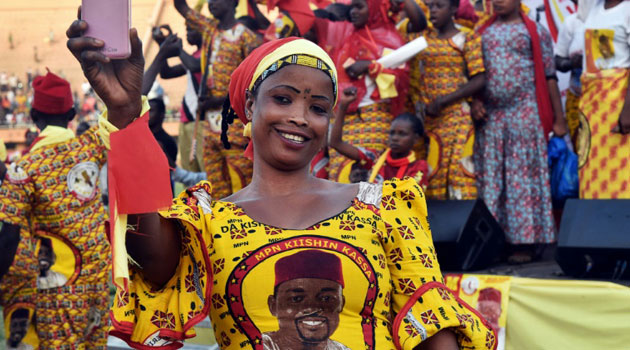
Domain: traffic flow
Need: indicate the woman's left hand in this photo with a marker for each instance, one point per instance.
(560, 127)
(433, 109)
(358, 68)
(623, 125)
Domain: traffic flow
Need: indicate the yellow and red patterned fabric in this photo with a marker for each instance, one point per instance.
(367, 128)
(228, 168)
(393, 291)
(572, 112)
(52, 193)
(444, 67)
(18, 288)
(228, 49)
(603, 155)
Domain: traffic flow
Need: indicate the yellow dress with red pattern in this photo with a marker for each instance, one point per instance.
(367, 128)
(229, 170)
(18, 286)
(52, 193)
(445, 66)
(393, 288)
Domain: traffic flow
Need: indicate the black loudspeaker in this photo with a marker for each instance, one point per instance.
(594, 239)
(465, 234)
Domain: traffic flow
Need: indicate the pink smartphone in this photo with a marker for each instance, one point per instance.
(110, 21)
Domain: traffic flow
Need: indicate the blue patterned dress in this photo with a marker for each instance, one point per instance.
(510, 147)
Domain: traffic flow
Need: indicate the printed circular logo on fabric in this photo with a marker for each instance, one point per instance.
(16, 174)
(82, 180)
(583, 140)
(470, 285)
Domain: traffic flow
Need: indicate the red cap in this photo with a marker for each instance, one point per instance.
(52, 94)
(490, 294)
(309, 264)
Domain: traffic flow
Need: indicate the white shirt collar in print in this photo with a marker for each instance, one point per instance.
(82, 180)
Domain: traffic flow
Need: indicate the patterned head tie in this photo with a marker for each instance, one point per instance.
(262, 63)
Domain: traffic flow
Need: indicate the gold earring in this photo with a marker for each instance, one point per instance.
(247, 130)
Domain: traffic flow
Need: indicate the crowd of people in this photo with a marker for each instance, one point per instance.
(308, 144)
(16, 96)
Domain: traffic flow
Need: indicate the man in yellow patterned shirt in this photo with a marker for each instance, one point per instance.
(52, 198)
(226, 43)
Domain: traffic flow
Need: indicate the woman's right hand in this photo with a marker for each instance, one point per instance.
(158, 35)
(117, 82)
(358, 68)
(477, 110)
(171, 46)
(348, 96)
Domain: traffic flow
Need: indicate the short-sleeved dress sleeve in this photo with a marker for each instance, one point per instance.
(423, 305)
(200, 22)
(565, 36)
(162, 319)
(547, 51)
(473, 54)
(16, 194)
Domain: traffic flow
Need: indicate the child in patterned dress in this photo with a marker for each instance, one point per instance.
(397, 161)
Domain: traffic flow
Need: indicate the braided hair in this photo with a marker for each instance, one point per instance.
(416, 124)
(227, 118)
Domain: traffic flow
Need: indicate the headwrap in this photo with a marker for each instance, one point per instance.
(297, 12)
(52, 94)
(266, 60)
(545, 110)
(309, 264)
(349, 44)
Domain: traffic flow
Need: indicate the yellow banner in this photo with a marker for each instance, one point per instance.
(488, 294)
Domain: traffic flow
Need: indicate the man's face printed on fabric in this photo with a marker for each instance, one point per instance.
(46, 256)
(17, 327)
(307, 308)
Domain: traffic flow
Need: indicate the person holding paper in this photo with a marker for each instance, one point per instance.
(381, 91)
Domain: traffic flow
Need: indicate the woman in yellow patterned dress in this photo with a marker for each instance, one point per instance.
(452, 70)
(290, 261)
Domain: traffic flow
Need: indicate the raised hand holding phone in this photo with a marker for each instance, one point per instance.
(117, 82)
(109, 21)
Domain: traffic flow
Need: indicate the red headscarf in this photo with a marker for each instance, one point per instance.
(368, 43)
(299, 11)
(545, 110)
(266, 56)
(244, 73)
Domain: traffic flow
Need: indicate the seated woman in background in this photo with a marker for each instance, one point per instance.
(398, 160)
(290, 261)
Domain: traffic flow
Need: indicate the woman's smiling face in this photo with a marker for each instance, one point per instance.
(290, 112)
